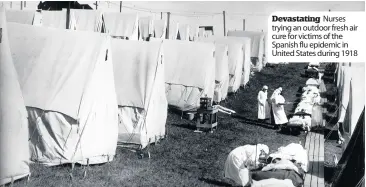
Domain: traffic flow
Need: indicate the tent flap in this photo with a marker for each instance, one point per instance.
(14, 162)
(120, 24)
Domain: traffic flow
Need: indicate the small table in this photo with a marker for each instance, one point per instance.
(206, 119)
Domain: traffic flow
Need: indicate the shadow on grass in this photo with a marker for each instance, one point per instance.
(215, 182)
(302, 75)
(331, 133)
(329, 172)
(186, 126)
(252, 121)
(287, 131)
(331, 119)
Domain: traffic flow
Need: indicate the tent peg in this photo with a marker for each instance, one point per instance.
(28, 178)
(12, 181)
(86, 168)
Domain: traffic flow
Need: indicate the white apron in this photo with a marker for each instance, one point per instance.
(263, 107)
(235, 165)
(279, 110)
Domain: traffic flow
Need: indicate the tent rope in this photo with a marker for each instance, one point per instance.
(37, 128)
(37, 120)
(129, 139)
(333, 129)
(360, 182)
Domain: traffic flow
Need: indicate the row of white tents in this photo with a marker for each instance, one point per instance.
(83, 92)
(131, 26)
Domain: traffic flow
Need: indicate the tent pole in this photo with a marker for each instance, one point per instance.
(223, 13)
(68, 17)
(168, 25)
(243, 24)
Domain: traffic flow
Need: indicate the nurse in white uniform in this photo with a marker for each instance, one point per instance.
(279, 110)
(272, 102)
(263, 107)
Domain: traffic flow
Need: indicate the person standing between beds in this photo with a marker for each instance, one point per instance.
(272, 100)
(279, 110)
(263, 107)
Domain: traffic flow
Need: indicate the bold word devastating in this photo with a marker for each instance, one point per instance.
(328, 53)
(296, 19)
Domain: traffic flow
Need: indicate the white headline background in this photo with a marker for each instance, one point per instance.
(355, 39)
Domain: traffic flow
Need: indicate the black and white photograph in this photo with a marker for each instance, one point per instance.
(172, 93)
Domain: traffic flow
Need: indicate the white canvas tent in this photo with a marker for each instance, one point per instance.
(189, 72)
(246, 42)
(14, 162)
(257, 39)
(221, 70)
(54, 19)
(193, 32)
(37, 20)
(356, 100)
(173, 30)
(340, 69)
(184, 31)
(159, 29)
(145, 27)
(20, 16)
(68, 88)
(121, 24)
(344, 91)
(235, 60)
(87, 20)
(140, 87)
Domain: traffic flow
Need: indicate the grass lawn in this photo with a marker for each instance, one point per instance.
(186, 158)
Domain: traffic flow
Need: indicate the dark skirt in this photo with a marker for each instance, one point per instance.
(272, 116)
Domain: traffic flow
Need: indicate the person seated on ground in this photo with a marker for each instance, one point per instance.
(243, 159)
(279, 111)
(263, 106)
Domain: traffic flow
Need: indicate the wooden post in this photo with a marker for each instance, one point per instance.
(223, 13)
(25, 4)
(68, 17)
(21, 5)
(161, 15)
(120, 6)
(96, 5)
(243, 24)
(168, 25)
(11, 4)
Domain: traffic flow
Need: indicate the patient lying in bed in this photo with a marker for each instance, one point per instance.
(303, 121)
